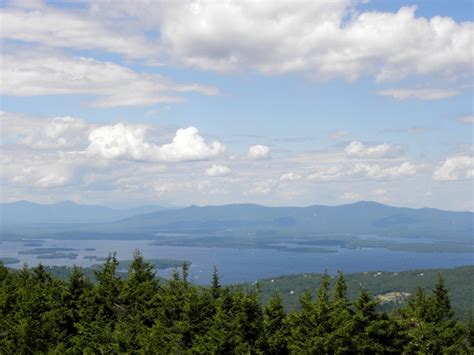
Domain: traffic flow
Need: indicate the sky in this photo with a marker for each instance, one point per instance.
(133, 102)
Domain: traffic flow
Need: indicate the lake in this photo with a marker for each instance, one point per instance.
(242, 265)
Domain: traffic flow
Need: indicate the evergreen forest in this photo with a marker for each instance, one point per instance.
(141, 314)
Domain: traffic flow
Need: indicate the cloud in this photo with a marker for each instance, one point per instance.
(27, 4)
(455, 168)
(350, 196)
(332, 173)
(290, 177)
(379, 192)
(168, 187)
(359, 150)
(68, 29)
(426, 94)
(209, 188)
(128, 142)
(52, 133)
(258, 151)
(339, 134)
(409, 130)
(33, 170)
(260, 188)
(362, 171)
(35, 74)
(52, 179)
(120, 141)
(189, 145)
(468, 119)
(378, 172)
(322, 39)
(217, 170)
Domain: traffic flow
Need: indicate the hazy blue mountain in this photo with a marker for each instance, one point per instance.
(24, 212)
(357, 218)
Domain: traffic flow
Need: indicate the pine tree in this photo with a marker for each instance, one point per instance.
(442, 305)
(41, 314)
(3, 271)
(323, 323)
(322, 299)
(140, 271)
(470, 330)
(40, 275)
(140, 287)
(340, 339)
(301, 323)
(76, 290)
(275, 332)
(107, 291)
(430, 328)
(340, 290)
(137, 297)
(225, 333)
(215, 284)
(185, 273)
(418, 308)
(374, 332)
(309, 328)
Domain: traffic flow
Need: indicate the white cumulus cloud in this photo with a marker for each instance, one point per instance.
(455, 168)
(53, 179)
(379, 172)
(258, 151)
(359, 150)
(29, 169)
(129, 142)
(321, 38)
(52, 133)
(217, 170)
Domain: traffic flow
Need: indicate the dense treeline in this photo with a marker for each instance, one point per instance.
(40, 313)
(459, 281)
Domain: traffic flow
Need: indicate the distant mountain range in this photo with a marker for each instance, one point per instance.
(24, 212)
(358, 218)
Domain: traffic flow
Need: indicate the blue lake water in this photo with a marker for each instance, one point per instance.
(243, 265)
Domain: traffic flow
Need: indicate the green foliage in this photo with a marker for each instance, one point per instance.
(429, 324)
(274, 339)
(40, 313)
(458, 280)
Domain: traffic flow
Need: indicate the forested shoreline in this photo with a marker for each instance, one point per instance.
(40, 313)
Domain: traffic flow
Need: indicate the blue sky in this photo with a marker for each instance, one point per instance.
(279, 103)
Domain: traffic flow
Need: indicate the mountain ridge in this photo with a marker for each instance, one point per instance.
(361, 218)
(65, 212)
